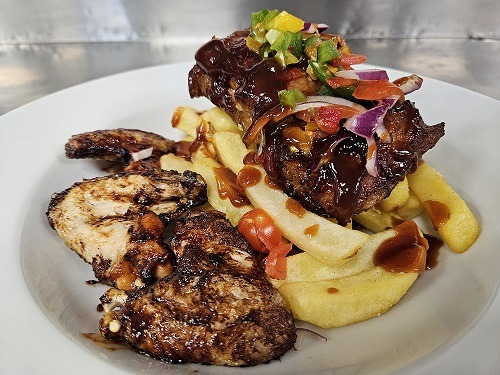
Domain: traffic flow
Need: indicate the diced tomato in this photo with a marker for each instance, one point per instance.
(294, 73)
(260, 230)
(264, 236)
(348, 59)
(276, 264)
(328, 117)
(336, 82)
(376, 90)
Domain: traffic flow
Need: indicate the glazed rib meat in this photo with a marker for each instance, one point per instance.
(119, 145)
(329, 178)
(217, 307)
(336, 183)
(116, 222)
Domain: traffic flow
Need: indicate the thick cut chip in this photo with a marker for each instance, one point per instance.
(348, 300)
(448, 212)
(331, 243)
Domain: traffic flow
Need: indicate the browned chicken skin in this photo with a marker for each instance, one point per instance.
(116, 222)
(217, 307)
(119, 145)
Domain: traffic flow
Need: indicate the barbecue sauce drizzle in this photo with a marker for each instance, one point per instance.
(257, 80)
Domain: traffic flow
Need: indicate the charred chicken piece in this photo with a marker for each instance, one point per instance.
(217, 307)
(119, 145)
(116, 223)
(329, 178)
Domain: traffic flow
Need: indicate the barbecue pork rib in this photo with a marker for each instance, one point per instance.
(332, 182)
(216, 307)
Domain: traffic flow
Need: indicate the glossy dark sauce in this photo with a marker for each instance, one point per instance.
(404, 252)
(438, 213)
(311, 231)
(295, 207)
(435, 245)
(248, 176)
(258, 81)
(228, 188)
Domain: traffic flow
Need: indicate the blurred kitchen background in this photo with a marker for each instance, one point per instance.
(48, 45)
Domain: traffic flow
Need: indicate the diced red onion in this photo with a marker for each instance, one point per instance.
(304, 333)
(142, 154)
(364, 74)
(314, 27)
(410, 83)
(322, 101)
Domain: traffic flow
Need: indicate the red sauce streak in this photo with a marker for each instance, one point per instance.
(228, 188)
(295, 207)
(404, 252)
(312, 230)
(438, 213)
(248, 176)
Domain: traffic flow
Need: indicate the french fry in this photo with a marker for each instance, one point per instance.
(448, 212)
(347, 300)
(411, 209)
(204, 165)
(170, 162)
(376, 220)
(304, 267)
(187, 120)
(399, 197)
(331, 244)
(220, 121)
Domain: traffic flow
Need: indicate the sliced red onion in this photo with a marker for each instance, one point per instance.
(303, 334)
(371, 157)
(364, 74)
(315, 27)
(409, 84)
(365, 124)
(142, 154)
(322, 101)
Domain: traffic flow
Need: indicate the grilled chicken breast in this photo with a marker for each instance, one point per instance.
(119, 145)
(217, 307)
(116, 223)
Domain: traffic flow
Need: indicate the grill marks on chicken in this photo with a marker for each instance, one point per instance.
(116, 223)
(119, 145)
(216, 307)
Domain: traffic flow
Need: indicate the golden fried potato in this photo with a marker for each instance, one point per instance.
(170, 162)
(220, 121)
(399, 197)
(204, 166)
(187, 120)
(331, 243)
(304, 267)
(448, 212)
(347, 300)
(377, 220)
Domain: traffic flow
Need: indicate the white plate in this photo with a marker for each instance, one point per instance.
(448, 322)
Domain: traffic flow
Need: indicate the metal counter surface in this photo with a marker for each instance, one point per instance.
(46, 46)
